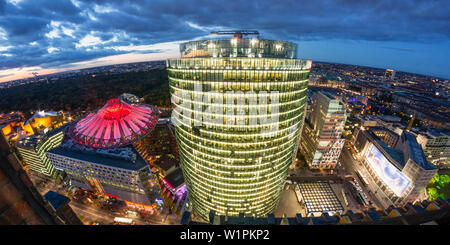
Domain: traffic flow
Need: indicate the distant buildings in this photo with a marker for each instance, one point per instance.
(318, 198)
(110, 69)
(43, 120)
(99, 155)
(322, 138)
(33, 151)
(436, 146)
(390, 74)
(396, 174)
(10, 122)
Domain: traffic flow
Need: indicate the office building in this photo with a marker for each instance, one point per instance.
(322, 136)
(33, 148)
(395, 175)
(436, 146)
(98, 153)
(239, 109)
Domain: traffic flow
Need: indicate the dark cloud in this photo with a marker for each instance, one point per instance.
(61, 26)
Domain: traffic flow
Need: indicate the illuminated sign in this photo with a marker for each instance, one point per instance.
(159, 201)
(388, 173)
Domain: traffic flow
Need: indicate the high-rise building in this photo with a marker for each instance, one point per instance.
(20, 201)
(239, 110)
(389, 74)
(322, 138)
(33, 148)
(98, 153)
(436, 146)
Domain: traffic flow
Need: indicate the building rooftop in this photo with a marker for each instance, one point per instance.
(115, 159)
(438, 132)
(415, 151)
(319, 197)
(175, 178)
(55, 199)
(389, 118)
(43, 114)
(165, 162)
(116, 124)
(32, 141)
(328, 94)
(397, 155)
(387, 151)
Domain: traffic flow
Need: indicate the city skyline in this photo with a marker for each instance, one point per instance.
(409, 36)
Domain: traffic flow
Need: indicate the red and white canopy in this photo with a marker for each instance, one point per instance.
(115, 124)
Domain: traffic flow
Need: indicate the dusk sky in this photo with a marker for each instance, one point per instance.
(47, 36)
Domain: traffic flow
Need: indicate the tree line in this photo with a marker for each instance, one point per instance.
(86, 92)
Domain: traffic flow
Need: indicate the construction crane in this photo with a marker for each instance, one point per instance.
(410, 124)
(237, 34)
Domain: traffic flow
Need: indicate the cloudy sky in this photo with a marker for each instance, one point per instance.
(55, 35)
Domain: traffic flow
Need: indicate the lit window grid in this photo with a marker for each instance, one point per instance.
(239, 47)
(239, 64)
(319, 197)
(261, 147)
(205, 169)
(36, 158)
(120, 178)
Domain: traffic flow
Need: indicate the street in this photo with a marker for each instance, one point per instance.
(352, 165)
(93, 214)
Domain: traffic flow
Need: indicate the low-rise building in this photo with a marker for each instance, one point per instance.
(42, 120)
(119, 172)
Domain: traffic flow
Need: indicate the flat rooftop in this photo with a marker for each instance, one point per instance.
(175, 178)
(416, 152)
(319, 197)
(55, 199)
(101, 159)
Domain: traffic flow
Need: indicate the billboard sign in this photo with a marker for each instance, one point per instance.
(388, 173)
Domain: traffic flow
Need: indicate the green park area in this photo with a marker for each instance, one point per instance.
(439, 186)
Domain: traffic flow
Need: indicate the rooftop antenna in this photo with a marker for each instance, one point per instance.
(236, 33)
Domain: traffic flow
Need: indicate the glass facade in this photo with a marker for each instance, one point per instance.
(236, 162)
(239, 47)
(322, 139)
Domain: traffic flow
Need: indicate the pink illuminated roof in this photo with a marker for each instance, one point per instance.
(115, 124)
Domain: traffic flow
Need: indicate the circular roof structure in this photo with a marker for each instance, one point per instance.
(115, 124)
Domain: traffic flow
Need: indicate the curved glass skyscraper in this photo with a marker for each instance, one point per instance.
(239, 109)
